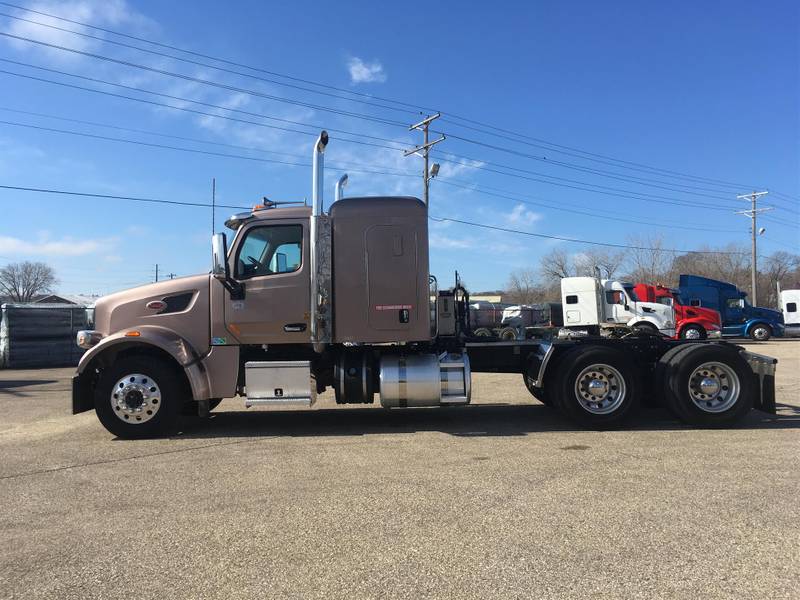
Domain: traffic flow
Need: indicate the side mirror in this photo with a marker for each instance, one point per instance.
(219, 268)
(219, 252)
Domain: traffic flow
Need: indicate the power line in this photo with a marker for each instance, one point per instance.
(332, 110)
(587, 187)
(217, 59)
(507, 230)
(208, 82)
(579, 241)
(205, 64)
(189, 100)
(340, 165)
(492, 129)
(192, 150)
(594, 215)
(114, 197)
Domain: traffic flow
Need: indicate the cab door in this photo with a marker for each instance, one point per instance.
(270, 260)
(619, 307)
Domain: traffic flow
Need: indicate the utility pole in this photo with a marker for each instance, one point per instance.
(754, 233)
(425, 149)
(156, 272)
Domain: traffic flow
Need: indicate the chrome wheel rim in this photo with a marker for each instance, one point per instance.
(692, 334)
(714, 387)
(135, 398)
(760, 333)
(600, 389)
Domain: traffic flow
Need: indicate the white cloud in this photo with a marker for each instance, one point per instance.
(365, 72)
(520, 215)
(51, 248)
(96, 12)
(436, 240)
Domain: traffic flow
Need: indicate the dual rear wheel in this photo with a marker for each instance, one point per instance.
(706, 385)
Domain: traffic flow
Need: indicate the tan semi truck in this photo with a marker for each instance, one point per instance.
(305, 300)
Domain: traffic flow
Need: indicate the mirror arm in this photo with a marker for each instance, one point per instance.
(235, 288)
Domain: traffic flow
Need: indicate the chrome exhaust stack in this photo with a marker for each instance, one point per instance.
(321, 313)
(340, 185)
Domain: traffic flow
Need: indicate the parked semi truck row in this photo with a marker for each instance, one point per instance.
(304, 300)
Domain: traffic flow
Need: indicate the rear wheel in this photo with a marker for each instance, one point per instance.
(597, 387)
(693, 332)
(709, 386)
(139, 397)
(761, 332)
(482, 332)
(508, 334)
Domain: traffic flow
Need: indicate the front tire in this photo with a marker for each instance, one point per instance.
(139, 397)
(761, 332)
(598, 387)
(693, 332)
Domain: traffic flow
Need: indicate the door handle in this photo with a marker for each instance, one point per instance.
(294, 327)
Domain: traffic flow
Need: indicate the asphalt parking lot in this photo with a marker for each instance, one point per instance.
(500, 499)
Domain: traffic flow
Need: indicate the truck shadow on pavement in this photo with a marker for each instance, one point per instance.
(485, 420)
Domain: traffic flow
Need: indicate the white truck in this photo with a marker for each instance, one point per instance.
(595, 304)
(790, 300)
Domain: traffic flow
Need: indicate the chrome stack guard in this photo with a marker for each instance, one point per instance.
(763, 368)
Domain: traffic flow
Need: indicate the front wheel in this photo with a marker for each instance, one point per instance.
(693, 332)
(139, 397)
(761, 332)
(598, 387)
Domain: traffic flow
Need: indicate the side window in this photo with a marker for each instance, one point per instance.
(791, 307)
(572, 299)
(733, 303)
(614, 297)
(270, 250)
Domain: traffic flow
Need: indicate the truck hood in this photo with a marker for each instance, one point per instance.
(758, 312)
(178, 304)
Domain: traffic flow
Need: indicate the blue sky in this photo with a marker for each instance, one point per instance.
(708, 89)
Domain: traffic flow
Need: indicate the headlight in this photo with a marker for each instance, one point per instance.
(669, 325)
(87, 338)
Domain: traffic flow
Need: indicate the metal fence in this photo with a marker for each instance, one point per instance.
(41, 335)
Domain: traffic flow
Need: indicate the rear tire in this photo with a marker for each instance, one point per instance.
(709, 386)
(597, 387)
(508, 334)
(761, 332)
(482, 332)
(693, 332)
(139, 397)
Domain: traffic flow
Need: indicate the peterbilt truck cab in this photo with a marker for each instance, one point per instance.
(304, 300)
(739, 317)
(691, 322)
(589, 302)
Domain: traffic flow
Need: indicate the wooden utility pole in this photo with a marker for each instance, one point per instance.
(753, 197)
(425, 150)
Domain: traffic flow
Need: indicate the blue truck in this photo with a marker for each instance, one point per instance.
(739, 317)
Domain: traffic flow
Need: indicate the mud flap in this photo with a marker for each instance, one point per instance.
(763, 368)
(82, 399)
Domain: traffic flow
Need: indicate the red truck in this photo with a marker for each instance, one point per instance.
(691, 322)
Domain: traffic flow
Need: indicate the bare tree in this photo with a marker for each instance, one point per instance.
(608, 263)
(649, 262)
(556, 265)
(23, 281)
(522, 287)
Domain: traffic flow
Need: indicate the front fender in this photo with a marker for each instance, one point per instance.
(160, 337)
(150, 336)
(777, 328)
